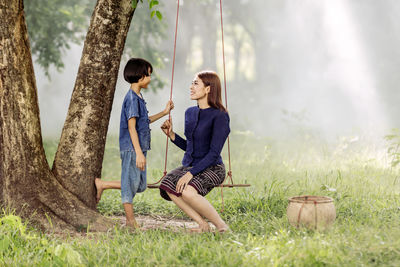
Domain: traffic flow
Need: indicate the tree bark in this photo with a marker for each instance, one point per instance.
(80, 152)
(27, 184)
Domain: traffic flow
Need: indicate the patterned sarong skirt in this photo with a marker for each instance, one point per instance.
(203, 182)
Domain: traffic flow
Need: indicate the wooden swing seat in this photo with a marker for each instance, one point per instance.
(228, 182)
(234, 185)
(153, 186)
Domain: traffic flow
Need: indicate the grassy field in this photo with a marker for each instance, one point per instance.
(353, 172)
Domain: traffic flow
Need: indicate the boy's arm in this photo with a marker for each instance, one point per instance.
(140, 158)
(157, 116)
(168, 108)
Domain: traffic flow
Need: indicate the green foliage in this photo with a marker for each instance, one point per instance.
(144, 39)
(22, 246)
(394, 146)
(135, 2)
(152, 3)
(67, 254)
(52, 26)
(158, 14)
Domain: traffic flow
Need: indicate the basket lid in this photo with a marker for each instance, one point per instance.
(311, 199)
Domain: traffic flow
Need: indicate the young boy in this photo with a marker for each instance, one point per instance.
(134, 137)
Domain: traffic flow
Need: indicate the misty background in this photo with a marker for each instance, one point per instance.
(324, 67)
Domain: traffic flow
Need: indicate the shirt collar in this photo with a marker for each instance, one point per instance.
(136, 95)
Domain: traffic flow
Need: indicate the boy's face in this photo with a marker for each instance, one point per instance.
(144, 81)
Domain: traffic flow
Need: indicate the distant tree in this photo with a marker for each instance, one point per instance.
(62, 198)
(144, 40)
(53, 25)
(257, 30)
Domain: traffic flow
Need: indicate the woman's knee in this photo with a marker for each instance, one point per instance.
(189, 193)
(171, 196)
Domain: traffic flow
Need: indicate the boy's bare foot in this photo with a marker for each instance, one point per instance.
(133, 224)
(99, 189)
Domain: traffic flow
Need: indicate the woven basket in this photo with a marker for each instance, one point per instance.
(313, 212)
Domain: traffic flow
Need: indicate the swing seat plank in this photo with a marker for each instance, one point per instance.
(234, 185)
(153, 186)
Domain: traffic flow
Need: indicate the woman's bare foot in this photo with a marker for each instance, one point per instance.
(99, 189)
(198, 230)
(201, 229)
(223, 229)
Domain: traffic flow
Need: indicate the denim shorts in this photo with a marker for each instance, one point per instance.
(133, 180)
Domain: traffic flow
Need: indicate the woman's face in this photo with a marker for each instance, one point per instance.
(198, 90)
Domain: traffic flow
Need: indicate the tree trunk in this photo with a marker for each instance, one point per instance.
(27, 184)
(80, 152)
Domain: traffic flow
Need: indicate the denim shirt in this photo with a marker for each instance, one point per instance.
(134, 106)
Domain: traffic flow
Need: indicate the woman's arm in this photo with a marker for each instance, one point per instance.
(220, 133)
(175, 138)
(179, 142)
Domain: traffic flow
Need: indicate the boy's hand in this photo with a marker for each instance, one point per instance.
(167, 129)
(169, 107)
(141, 161)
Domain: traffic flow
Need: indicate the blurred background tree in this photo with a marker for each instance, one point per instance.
(53, 25)
(283, 55)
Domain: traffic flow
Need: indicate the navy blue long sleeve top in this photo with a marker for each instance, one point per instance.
(206, 131)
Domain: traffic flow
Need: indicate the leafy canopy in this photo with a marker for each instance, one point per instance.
(53, 25)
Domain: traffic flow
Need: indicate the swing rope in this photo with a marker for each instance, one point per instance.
(226, 94)
(226, 106)
(228, 181)
(153, 185)
(228, 177)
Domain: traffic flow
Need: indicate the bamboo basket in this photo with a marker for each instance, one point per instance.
(313, 212)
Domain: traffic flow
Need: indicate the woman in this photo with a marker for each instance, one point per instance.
(206, 129)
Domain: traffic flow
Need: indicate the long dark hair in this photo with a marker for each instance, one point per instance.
(210, 78)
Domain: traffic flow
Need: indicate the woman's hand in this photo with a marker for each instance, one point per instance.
(140, 161)
(183, 182)
(167, 129)
(168, 107)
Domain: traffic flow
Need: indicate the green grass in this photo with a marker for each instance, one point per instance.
(355, 174)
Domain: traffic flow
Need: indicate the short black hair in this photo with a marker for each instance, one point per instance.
(136, 68)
